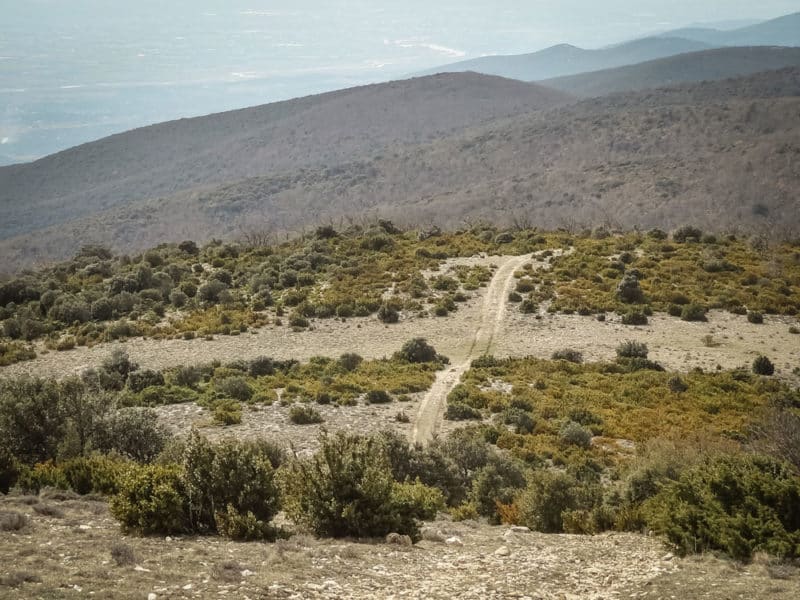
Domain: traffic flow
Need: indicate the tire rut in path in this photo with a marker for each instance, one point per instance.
(431, 409)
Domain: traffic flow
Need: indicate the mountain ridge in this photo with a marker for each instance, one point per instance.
(559, 60)
(315, 131)
(716, 154)
(713, 64)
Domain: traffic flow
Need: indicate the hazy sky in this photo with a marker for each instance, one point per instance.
(73, 70)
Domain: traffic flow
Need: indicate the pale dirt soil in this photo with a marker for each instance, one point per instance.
(71, 557)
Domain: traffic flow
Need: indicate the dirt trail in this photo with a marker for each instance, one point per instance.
(490, 320)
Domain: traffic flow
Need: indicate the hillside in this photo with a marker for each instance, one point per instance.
(720, 154)
(312, 132)
(707, 65)
(564, 59)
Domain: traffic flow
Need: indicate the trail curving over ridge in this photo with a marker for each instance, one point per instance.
(431, 409)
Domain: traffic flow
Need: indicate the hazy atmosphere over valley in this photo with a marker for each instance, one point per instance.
(371, 300)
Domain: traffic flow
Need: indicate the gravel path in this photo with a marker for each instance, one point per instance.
(489, 323)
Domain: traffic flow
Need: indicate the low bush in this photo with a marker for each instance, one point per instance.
(388, 314)
(461, 412)
(739, 504)
(9, 469)
(693, 312)
(568, 354)
(549, 495)
(417, 350)
(755, 317)
(378, 397)
(231, 487)
(632, 349)
(236, 387)
(228, 412)
(496, 483)
(575, 434)
(763, 366)
(144, 378)
(153, 499)
(634, 318)
(13, 521)
(347, 490)
(304, 415)
(131, 432)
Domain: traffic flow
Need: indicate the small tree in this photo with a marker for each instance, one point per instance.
(763, 366)
(347, 489)
(628, 290)
(417, 350)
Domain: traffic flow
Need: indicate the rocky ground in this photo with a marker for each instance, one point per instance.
(72, 548)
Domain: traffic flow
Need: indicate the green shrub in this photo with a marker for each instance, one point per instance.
(9, 468)
(528, 307)
(350, 361)
(738, 504)
(235, 387)
(573, 433)
(94, 474)
(497, 482)
(755, 317)
(144, 378)
(165, 395)
(634, 318)
(568, 354)
(519, 419)
(296, 320)
(228, 412)
(14, 352)
(261, 366)
(119, 363)
(418, 350)
(457, 411)
(244, 527)
(687, 233)
(378, 397)
(304, 415)
(152, 499)
(231, 486)
(32, 423)
(629, 291)
(187, 377)
(388, 314)
(763, 366)
(347, 490)
(693, 312)
(632, 349)
(677, 385)
(514, 297)
(131, 432)
(550, 494)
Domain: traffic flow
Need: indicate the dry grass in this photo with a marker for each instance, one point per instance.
(13, 521)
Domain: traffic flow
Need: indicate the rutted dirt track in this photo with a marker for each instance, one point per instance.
(489, 324)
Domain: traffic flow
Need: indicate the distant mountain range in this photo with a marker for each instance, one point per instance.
(564, 59)
(707, 65)
(783, 31)
(717, 154)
